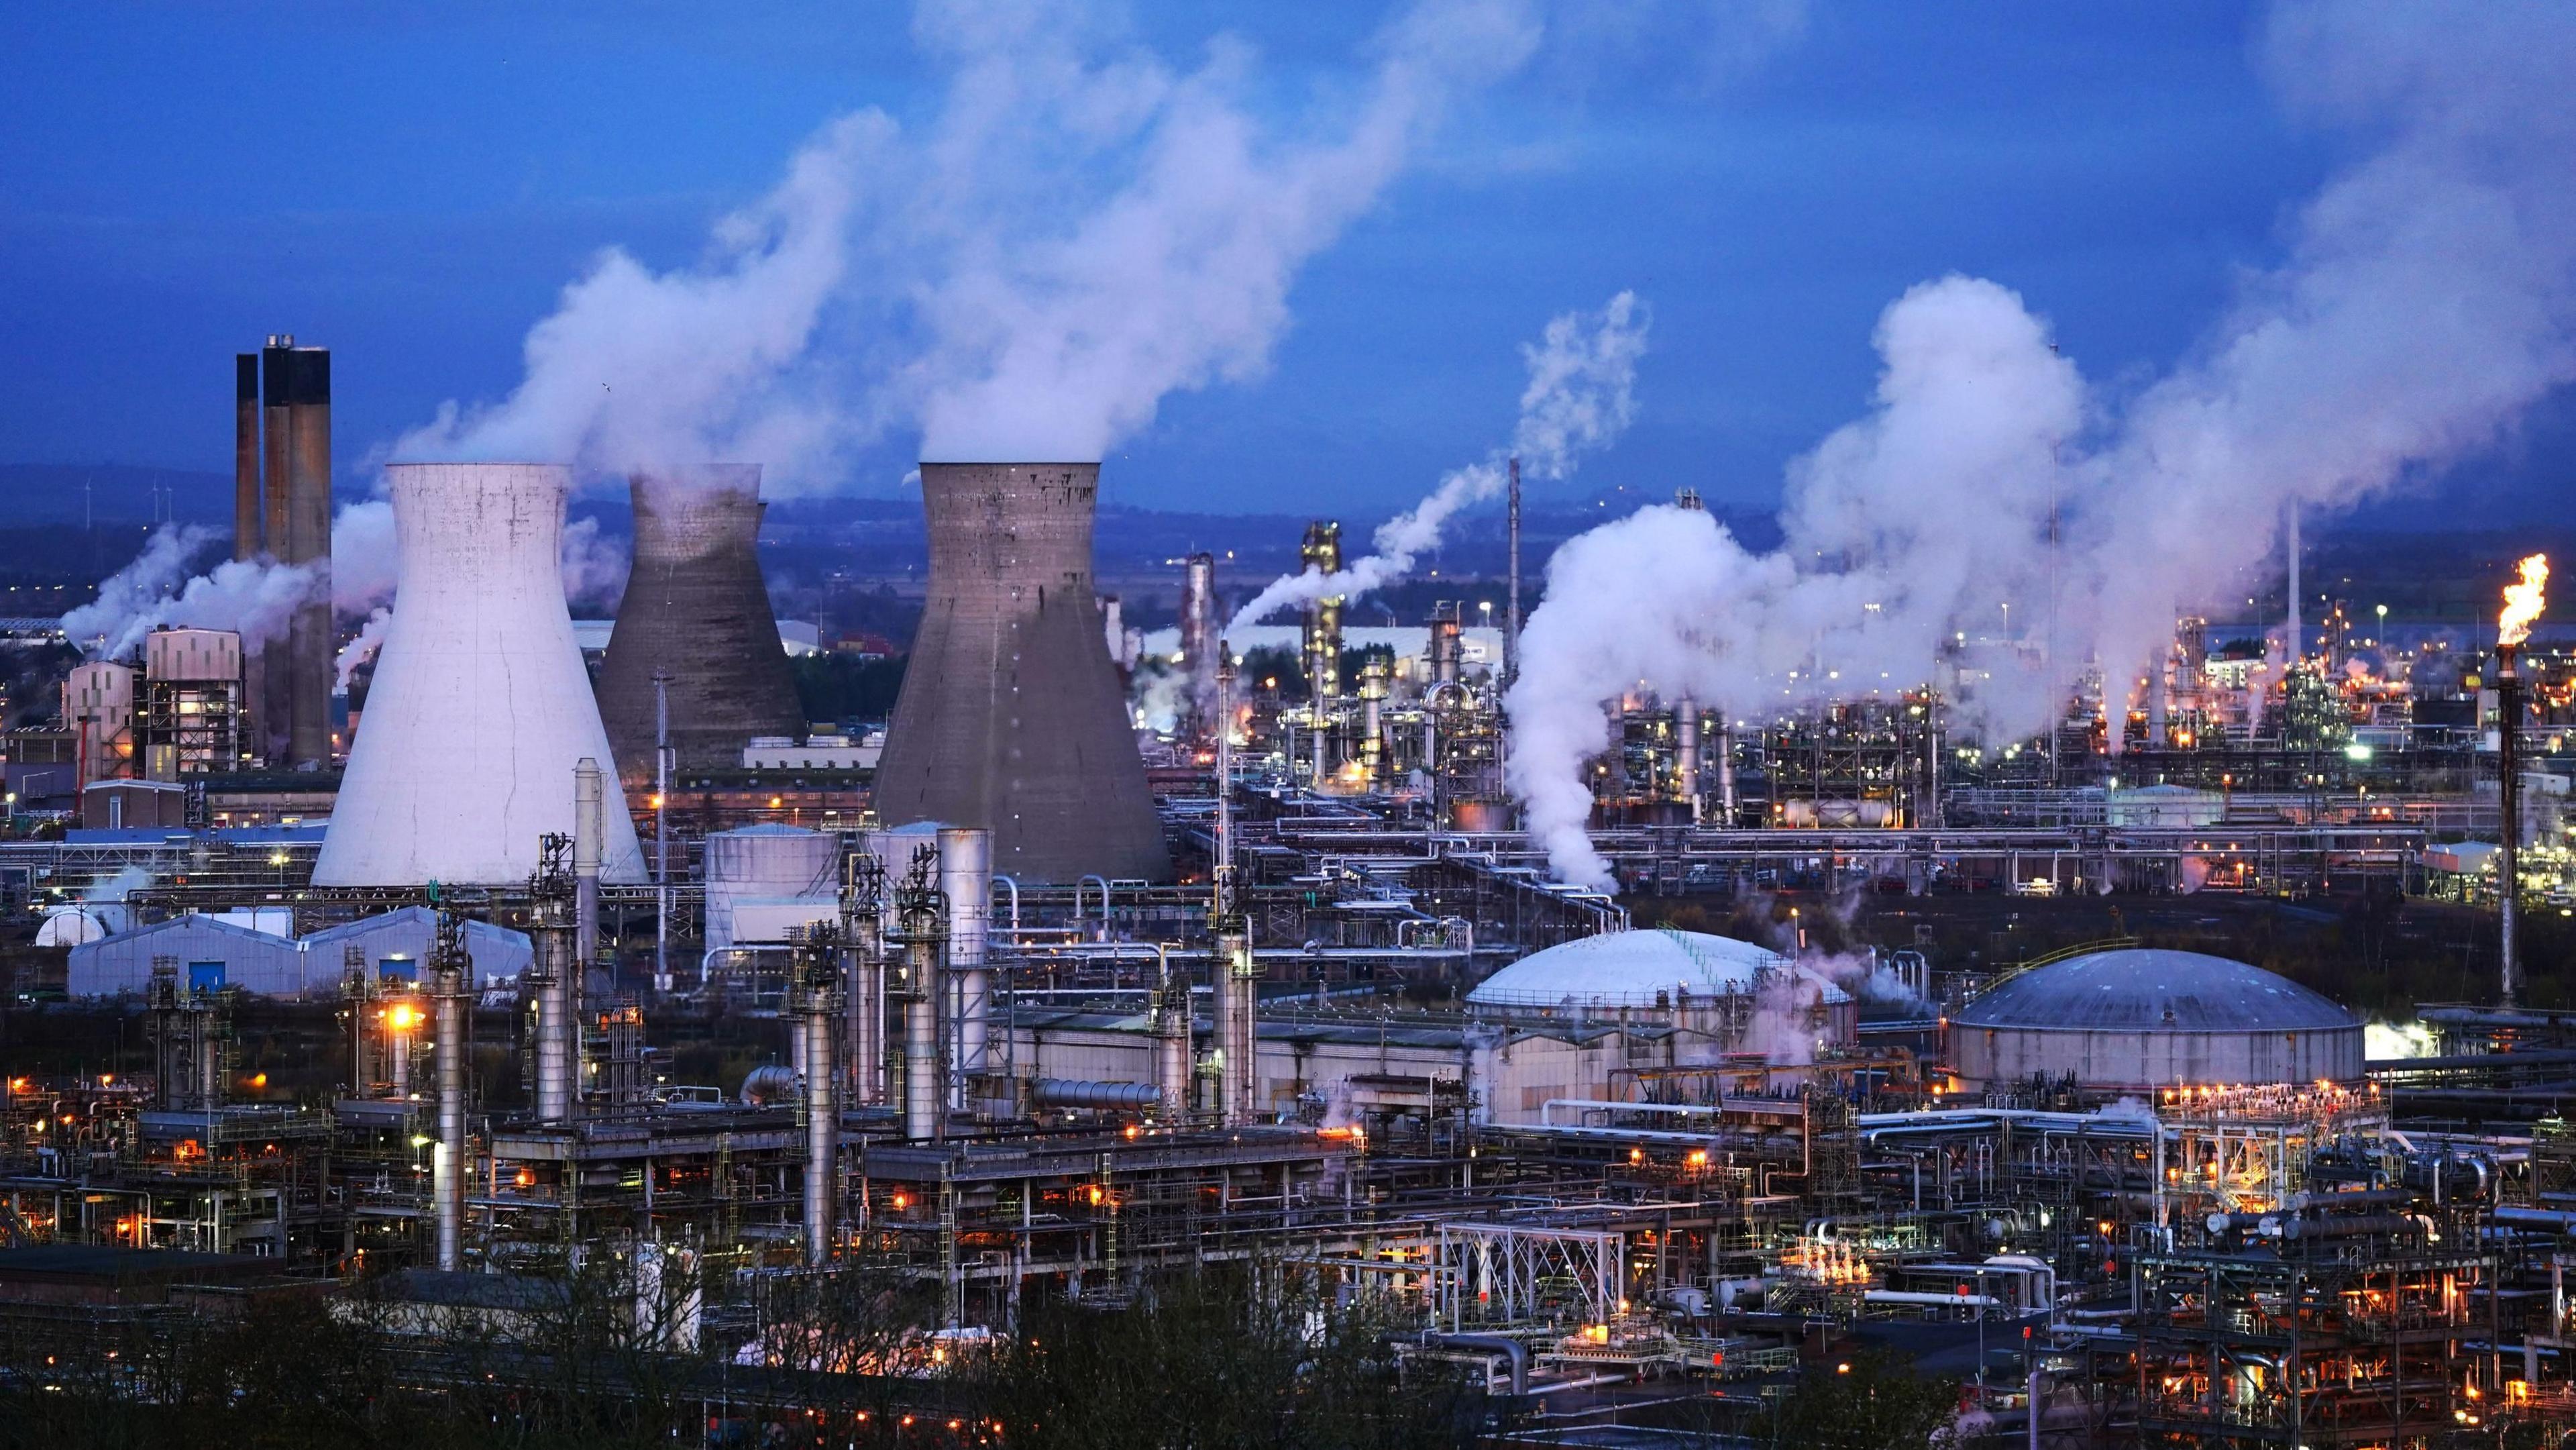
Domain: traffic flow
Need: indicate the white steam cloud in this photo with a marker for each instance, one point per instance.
(1580, 398)
(1081, 230)
(2427, 298)
(155, 591)
(362, 647)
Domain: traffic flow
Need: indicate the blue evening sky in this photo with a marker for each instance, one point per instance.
(410, 185)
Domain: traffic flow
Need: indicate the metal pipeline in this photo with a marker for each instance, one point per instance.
(1512, 1350)
(1059, 1092)
(966, 879)
(769, 1084)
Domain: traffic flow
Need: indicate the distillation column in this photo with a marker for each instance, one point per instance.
(1236, 987)
(451, 995)
(551, 981)
(966, 881)
(924, 1078)
(1686, 754)
(863, 950)
(1172, 1055)
(818, 1015)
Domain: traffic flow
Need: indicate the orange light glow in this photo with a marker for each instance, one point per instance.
(2523, 601)
(402, 1017)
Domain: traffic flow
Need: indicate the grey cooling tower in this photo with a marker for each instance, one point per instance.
(697, 610)
(1011, 716)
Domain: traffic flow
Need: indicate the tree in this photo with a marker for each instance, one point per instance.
(1868, 1400)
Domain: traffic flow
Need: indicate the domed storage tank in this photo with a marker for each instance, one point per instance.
(1708, 983)
(2135, 1020)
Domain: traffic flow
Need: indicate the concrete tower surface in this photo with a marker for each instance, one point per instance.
(697, 610)
(480, 709)
(1011, 717)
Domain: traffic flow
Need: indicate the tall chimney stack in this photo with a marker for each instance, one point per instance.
(249, 534)
(294, 527)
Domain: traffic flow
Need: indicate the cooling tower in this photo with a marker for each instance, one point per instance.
(696, 610)
(1011, 717)
(480, 707)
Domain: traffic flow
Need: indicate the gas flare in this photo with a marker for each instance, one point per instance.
(2523, 601)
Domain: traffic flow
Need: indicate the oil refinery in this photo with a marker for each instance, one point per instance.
(1471, 723)
(1076, 1007)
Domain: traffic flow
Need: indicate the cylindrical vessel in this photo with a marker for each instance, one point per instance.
(398, 1046)
(1172, 1049)
(966, 880)
(863, 968)
(480, 700)
(1237, 991)
(925, 1098)
(447, 1162)
(554, 1015)
(1725, 770)
(822, 1128)
(589, 834)
(1686, 754)
(1012, 716)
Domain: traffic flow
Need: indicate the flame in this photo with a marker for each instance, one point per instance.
(2523, 601)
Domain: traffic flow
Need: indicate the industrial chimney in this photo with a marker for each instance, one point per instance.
(282, 509)
(1011, 717)
(697, 610)
(480, 705)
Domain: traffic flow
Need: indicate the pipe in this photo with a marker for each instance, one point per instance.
(1058, 1092)
(966, 880)
(1510, 1349)
(2509, 788)
(449, 971)
(661, 831)
(1902, 1296)
(769, 1084)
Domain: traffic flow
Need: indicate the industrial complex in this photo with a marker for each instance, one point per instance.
(435, 1008)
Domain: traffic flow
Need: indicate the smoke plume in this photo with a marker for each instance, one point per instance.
(1581, 375)
(362, 647)
(2427, 296)
(155, 591)
(1081, 229)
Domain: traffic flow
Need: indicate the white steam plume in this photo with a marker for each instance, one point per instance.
(155, 591)
(1582, 373)
(363, 647)
(1080, 230)
(2427, 298)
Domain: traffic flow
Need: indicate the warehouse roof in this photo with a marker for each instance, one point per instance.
(2149, 989)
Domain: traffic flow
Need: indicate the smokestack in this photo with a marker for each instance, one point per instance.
(275, 715)
(249, 533)
(589, 833)
(1512, 614)
(697, 609)
(966, 880)
(480, 700)
(1198, 637)
(2297, 645)
(1011, 716)
(295, 528)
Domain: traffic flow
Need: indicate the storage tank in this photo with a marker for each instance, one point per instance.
(1011, 716)
(2134, 1020)
(697, 609)
(480, 706)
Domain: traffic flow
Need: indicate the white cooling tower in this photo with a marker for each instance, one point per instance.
(480, 706)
